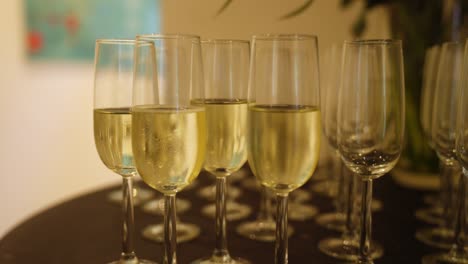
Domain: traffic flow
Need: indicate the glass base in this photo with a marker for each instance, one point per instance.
(325, 188)
(140, 195)
(209, 192)
(445, 258)
(431, 215)
(332, 221)
(436, 237)
(156, 206)
(136, 261)
(234, 211)
(347, 250)
(300, 212)
(217, 260)
(185, 232)
(260, 230)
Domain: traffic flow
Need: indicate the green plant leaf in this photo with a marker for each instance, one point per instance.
(298, 10)
(223, 7)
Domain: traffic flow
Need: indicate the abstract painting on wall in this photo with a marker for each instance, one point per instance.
(67, 29)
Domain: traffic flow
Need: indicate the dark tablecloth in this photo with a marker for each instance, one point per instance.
(87, 230)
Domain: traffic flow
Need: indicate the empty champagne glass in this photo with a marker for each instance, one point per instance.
(284, 119)
(439, 206)
(113, 77)
(226, 64)
(345, 246)
(169, 131)
(331, 71)
(443, 137)
(449, 132)
(371, 118)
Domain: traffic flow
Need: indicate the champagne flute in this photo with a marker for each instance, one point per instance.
(113, 76)
(449, 132)
(226, 64)
(345, 246)
(434, 214)
(284, 119)
(330, 82)
(442, 137)
(371, 118)
(169, 132)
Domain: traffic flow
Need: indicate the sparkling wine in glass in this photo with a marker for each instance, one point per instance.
(113, 77)
(169, 131)
(284, 119)
(226, 69)
(371, 116)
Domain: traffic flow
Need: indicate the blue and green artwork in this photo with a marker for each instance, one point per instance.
(67, 29)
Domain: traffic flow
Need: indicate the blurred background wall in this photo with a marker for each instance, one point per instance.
(47, 152)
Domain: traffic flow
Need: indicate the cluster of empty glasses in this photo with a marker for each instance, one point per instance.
(444, 120)
(168, 106)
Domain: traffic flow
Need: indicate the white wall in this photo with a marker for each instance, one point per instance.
(46, 141)
(47, 151)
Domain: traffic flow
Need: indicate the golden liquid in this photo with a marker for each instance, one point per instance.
(113, 139)
(169, 145)
(284, 145)
(226, 149)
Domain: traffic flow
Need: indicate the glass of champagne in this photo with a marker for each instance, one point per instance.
(113, 77)
(284, 119)
(371, 116)
(449, 133)
(226, 68)
(443, 138)
(169, 131)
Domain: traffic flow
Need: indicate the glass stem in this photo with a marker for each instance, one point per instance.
(349, 234)
(281, 247)
(221, 252)
(447, 184)
(340, 202)
(128, 248)
(458, 251)
(170, 230)
(265, 213)
(366, 223)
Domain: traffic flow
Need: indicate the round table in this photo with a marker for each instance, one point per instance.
(87, 229)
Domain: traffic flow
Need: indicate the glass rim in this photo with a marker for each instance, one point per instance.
(371, 42)
(225, 41)
(155, 36)
(120, 41)
(276, 37)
